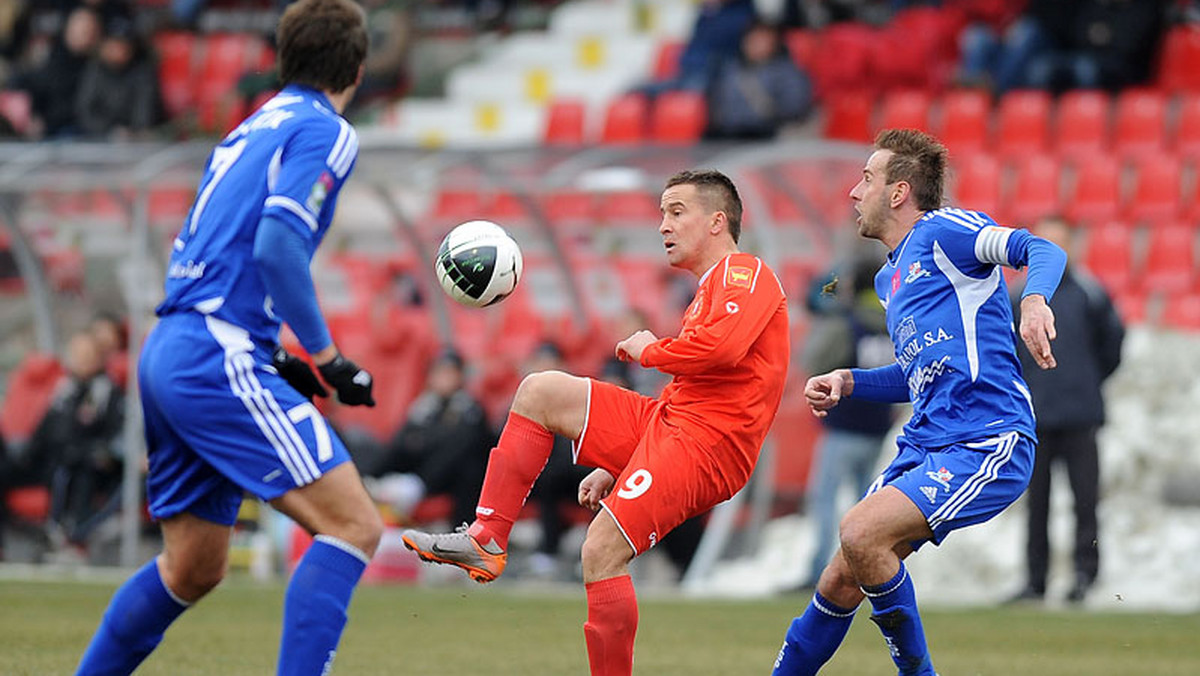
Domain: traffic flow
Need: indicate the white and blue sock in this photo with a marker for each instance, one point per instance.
(895, 605)
(812, 638)
(314, 608)
(139, 613)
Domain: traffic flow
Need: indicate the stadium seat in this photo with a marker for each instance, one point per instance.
(176, 69)
(1186, 140)
(1081, 123)
(1108, 255)
(965, 121)
(1023, 123)
(568, 206)
(30, 388)
(1170, 263)
(842, 60)
(666, 59)
(565, 123)
(1182, 312)
(1096, 194)
(1141, 122)
(848, 116)
(637, 207)
(679, 118)
(905, 109)
(1179, 59)
(625, 120)
(1157, 190)
(1130, 304)
(977, 184)
(1035, 190)
(802, 45)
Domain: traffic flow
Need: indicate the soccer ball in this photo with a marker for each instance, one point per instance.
(478, 263)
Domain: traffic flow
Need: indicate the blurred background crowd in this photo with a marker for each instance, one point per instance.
(1083, 110)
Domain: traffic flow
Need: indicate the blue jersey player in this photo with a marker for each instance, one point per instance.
(967, 452)
(227, 412)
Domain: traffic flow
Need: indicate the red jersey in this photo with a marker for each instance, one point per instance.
(730, 360)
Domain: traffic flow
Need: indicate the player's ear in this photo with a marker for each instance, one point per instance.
(900, 190)
(719, 222)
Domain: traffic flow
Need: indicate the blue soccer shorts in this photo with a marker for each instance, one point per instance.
(962, 484)
(220, 422)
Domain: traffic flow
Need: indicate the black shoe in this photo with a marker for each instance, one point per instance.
(1026, 596)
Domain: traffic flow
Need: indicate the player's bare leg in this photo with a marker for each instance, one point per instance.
(612, 605)
(194, 557)
(546, 403)
(338, 512)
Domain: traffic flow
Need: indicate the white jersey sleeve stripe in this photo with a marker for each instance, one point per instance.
(955, 216)
(991, 245)
(339, 145)
(293, 206)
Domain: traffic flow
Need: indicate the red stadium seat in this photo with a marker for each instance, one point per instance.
(30, 388)
(1081, 123)
(1141, 123)
(1187, 130)
(1109, 255)
(1131, 305)
(631, 206)
(803, 46)
(227, 57)
(568, 207)
(848, 116)
(1035, 190)
(1096, 196)
(1179, 59)
(1023, 123)
(965, 121)
(666, 59)
(679, 118)
(454, 205)
(1170, 264)
(1182, 312)
(977, 185)
(1157, 193)
(843, 59)
(905, 109)
(625, 120)
(565, 123)
(176, 69)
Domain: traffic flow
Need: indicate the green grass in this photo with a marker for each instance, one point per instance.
(448, 631)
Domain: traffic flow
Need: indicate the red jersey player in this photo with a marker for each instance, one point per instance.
(669, 458)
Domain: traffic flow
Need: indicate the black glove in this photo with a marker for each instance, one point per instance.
(353, 383)
(298, 374)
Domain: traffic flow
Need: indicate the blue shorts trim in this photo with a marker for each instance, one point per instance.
(962, 484)
(221, 422)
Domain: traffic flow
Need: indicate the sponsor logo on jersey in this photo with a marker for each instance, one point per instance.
(320, 190)
(732, 308)
(739, 276)
(906, 329)
(922, 376)
(942, 476)
(895, 283)
(915, 272)
(931, 493)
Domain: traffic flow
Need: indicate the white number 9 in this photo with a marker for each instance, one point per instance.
(637, 484)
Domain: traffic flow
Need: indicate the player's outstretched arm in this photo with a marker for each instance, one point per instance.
(823, 392)
(1037, 329)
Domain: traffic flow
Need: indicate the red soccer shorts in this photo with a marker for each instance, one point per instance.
(664, 475)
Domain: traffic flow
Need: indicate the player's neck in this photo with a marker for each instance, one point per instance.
(900, 226)
(705, 263)
(339, 100)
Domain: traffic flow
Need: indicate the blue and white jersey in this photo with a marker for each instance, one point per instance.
(288, 160)
(950, 319)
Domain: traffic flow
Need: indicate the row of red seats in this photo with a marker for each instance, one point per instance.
(200, 73)
(1089, 189)
(1134, 123)
(1159, 259)
(673, 118)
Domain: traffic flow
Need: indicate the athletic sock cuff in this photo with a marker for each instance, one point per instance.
(610, 590)
(338, 556)
(829, 608)
(524, 430)
(875, 591)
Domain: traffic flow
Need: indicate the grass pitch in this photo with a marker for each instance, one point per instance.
(45, 626)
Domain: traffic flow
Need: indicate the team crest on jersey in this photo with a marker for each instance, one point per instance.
(739, 276)
(915, 272)
(906, 329)
(697, 305)
(942, 476)
(320, 190)
(931, 493)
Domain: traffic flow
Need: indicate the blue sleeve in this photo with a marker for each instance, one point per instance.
(308, 171)
(283, 255)
(1046, 263)
(885, 383)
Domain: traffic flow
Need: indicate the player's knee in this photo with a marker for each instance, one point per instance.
(190, 578)
(856, 536)
(542, 395)
(605, 552)
(364, 531)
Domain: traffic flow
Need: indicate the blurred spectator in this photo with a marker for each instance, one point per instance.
(817, 14)
(385, 73)
(79, 439)
(442, 448)
(118, 95)
(760, 90)
(995, 44)
(14, 33)
(1069, 404)
(558, 486)
(716, 36)
(849, 331)
(52, 85)
(112, 338)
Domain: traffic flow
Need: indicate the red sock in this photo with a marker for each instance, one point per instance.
(513, 466)
(611, 626)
